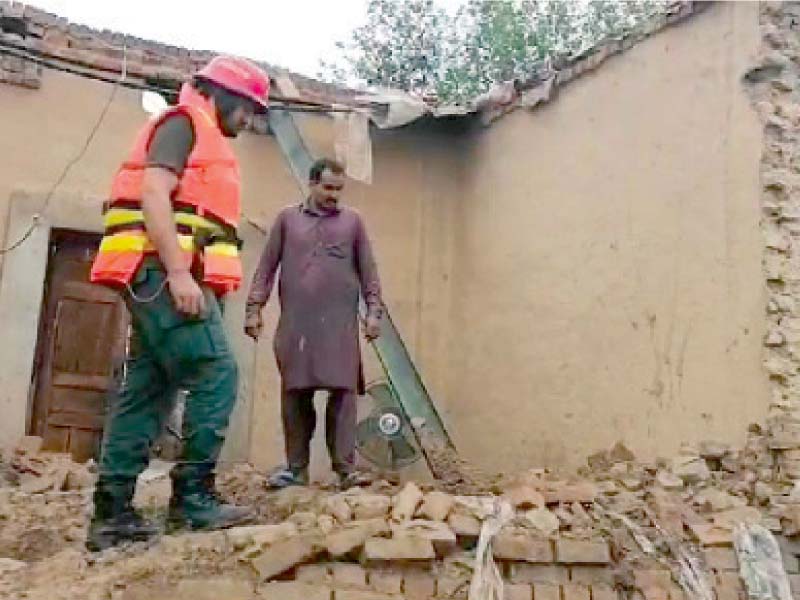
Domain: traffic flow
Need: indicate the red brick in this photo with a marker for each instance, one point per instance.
(522, 546)
(794, 583)
(294, 590)
(282, 556)
(652, 578)
(464, 525)
(526, 573)
(729, 586)
(361, 595)
(546, 591)
(582, 552)
(402, 548)
(722, 559)
(676, 592)
(589, 575)
(517, 591)
(418, 584)
(349, 575)
(316, 573)
(604, 592)
(452, 587)
(655, 593)
(573, 591)
(388, 580)
(214, 588)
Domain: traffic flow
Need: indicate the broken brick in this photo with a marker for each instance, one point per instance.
(439, 534)
(604, 592)
(349, 575)
(282, 556)
(546, 591)
(400, 548)
(464, 525)
(591, 575)
(317, 573)
(405, 503)
(351, 538)
(361, 595)
(523, 496)
(418, 584)
(511, 545)
(386, 580)
(582, 551)
(293, 590)
(213, 589)
(369, 506)
(517, 591)
(528, 573)
(448, 586)
(436, 506)
(721, 559)
(572, 591)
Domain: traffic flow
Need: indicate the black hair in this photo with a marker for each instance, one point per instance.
(225, 100)
(321, 165)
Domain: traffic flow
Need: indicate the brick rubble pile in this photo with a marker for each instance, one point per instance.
(609, 531)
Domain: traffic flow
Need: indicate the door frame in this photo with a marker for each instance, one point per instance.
(22, 282)
(22, 285)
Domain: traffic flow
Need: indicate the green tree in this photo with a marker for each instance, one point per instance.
(416, 46)
(400, 46)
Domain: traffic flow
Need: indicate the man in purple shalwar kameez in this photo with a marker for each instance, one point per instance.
(325, 261)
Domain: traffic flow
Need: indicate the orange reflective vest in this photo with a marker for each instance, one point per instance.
(206, 205)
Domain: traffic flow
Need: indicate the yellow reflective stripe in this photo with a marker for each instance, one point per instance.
(223, 249)
(123, 242)
(122, 216)
(115, 217)
(131, 242)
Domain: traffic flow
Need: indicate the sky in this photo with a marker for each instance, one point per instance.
(294, 34)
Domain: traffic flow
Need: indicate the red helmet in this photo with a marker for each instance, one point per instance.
(239, 76)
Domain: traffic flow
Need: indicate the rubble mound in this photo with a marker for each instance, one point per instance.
(618, 526)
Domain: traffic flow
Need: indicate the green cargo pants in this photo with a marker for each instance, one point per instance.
(169, 352)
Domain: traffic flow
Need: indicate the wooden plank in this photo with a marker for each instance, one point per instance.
(84, 444)
(89, 292)
(78, 420)
(96, 383)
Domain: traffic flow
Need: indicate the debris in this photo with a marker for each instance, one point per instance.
(760, 562)
(369, 506)
(405, 503)
(405, 548)
(282, 556)
(620, 453)
(350, 539)
(436, 506)
(523, 496)
(542, 520)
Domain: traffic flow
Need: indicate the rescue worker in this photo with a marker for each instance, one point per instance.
(325, 259)
(171, 249)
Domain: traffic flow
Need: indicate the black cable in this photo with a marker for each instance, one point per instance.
(64, 173)
(25, 54)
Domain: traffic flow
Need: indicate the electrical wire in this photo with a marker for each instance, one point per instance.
(36, 219)
(35, 56)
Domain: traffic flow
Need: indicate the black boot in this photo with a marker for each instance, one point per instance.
(115, 521)
(195, 505)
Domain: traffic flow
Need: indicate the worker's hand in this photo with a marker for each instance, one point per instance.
(372, 328)
(253, 325)
(186, 294)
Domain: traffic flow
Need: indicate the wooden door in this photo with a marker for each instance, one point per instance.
(81, 350)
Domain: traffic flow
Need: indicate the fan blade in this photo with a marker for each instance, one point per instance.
(403, 453)
(377, 451)
(382, 394)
